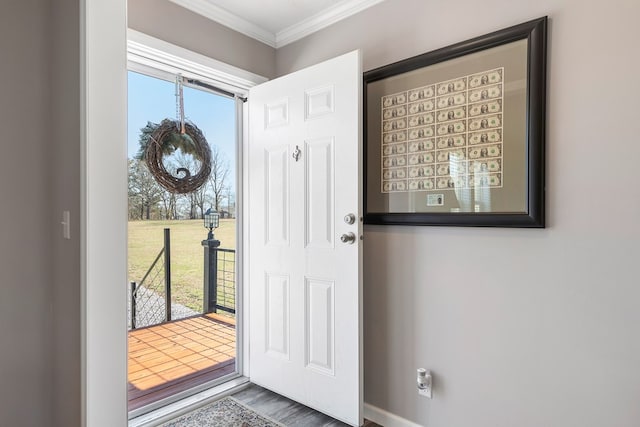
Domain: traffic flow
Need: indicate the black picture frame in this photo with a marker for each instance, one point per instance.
(532, 169)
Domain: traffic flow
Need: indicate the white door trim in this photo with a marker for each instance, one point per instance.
(103, 212)
(103, 205)
(158, 58)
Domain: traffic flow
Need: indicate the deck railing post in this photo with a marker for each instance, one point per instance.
(133, 305)
(167, 272)
(210, 274)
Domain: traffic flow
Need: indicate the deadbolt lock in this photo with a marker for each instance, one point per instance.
(350, 218)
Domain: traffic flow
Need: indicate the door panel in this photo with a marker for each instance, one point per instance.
(320, 322)
(319, 193)
(277, 315)
(304, 281)
(277, 200)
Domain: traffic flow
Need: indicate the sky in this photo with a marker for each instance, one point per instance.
(152, 100)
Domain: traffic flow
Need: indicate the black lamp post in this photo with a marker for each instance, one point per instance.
(211, 221)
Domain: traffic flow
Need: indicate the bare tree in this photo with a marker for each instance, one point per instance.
(200, 199)
(144, 191)
(169, 203)
(219, 175)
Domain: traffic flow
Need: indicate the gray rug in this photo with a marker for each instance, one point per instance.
(226, 412)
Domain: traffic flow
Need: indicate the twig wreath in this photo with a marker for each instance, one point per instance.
(165, 139)
(158, 140)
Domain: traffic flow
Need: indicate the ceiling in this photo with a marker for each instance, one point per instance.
(276, 22)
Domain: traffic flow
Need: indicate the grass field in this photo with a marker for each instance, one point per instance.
(187, 254)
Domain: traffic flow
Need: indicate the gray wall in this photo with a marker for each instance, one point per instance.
(64, 185)
(39, 178)
(174, 24)
(520, 327)
(25, 285)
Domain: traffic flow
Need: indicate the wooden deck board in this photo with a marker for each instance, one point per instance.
(172, 357)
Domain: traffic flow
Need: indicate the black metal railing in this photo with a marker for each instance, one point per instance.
(226, 283)
(151, 298)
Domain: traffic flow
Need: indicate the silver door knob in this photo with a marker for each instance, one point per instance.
(348, 238)
(350, 218)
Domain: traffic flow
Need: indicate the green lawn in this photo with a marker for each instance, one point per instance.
(187, 254)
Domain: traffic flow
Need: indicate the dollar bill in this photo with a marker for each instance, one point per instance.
(486, 78)
(452, 114)
(485, 93)
(391, 125)
(485, 122)
(391, 149)
(421, 145)
(451, 128)
(421, 159)
(395, 99)
(452, 141)
(421, 184)
(419, 133)
(392, 137)
(487, 107)
(396, 173)
(452, 100)
(454, 155)
(485, 180)
(392, 113)
(484, 137)
(452, 86)
(421, 171)
(485, 151)
(450, 182)
(442, 169)
(393, 161)
(451, 168)
(421, 119)
(421, 93)
(421, 107)
(488, 165)
(393, 186)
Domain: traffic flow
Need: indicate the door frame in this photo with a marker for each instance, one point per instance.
(157, 58)
(103, 231)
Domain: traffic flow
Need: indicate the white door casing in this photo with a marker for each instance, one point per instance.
(304, 282)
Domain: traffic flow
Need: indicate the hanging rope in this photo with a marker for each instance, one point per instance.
(180, 102)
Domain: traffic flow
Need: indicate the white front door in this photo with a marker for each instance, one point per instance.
(305, 286)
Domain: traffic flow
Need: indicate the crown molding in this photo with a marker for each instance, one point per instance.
(291, 34)
(221, 16)
(322, 20)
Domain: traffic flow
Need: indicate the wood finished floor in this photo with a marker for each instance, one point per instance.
(286, 411)
(172, 357)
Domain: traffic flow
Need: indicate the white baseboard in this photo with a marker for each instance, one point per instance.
(386, 419)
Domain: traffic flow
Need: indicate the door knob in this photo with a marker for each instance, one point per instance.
(350, 218)
(348, 238)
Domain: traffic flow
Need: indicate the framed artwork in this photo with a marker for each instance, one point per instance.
(456, 136)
